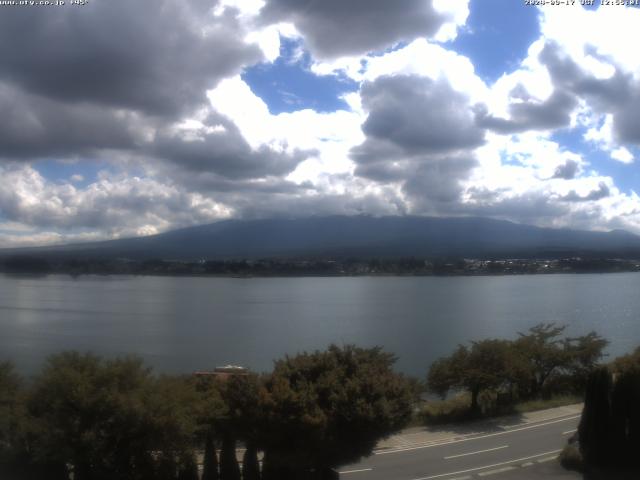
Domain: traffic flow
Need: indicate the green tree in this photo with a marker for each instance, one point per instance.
(548, 355)
(10, 389)
(543, 349)
(242, 420)
(609, 429)
(188, 468)
(106, 418)
(210, 461)
(328, 408)
(584, 354)
(482, 366)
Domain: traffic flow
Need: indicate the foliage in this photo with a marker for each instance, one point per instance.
(329, 408)
(481, 367)
(10, 386)
(609, 429)
(571, 458)
(107, 417)
(538, 363)
(452, 410)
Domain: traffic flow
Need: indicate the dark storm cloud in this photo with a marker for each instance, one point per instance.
(153, 56)
(333, 28)
(601, 192)
(35, 126)
(418, 116)
(220, 149)
(437, 182)
(567, 171)
(108, 76)
(530, 114)
(420, 133)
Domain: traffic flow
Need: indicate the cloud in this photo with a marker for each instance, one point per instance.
(335, 28)
(417, 115)
(420, 133)
(115, 205)
(35, 126)
(151, 56)
(601, 192)
(531, 114)
(567, 171)
(216, 146)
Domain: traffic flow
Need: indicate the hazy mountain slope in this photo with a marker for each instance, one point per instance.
(357, 236)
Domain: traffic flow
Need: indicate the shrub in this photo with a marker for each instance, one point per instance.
(571, 458)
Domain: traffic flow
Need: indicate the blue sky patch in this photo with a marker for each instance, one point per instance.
(626, 176)
(287, 85)
(495, 42)
(57, 171)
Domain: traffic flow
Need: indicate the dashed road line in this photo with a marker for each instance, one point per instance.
(516, 460)
(399, 450)
(497, 470)
(547, 459)
(475, 453)
(570, 431)
(356, 471)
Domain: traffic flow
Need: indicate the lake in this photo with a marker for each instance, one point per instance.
(180, 324)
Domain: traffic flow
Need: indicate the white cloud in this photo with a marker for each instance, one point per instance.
(622, 154)
(331, 134)
(457, 12)
(114, 205)
(595, 39)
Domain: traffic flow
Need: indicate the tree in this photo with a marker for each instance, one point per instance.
(106, 418)
(481, 367)
(328, 408)
(188, 469)
(210, 462)
(548, 356)
(543, 349)
(210, 407)
(609, 429)
(583, 356)
(241, 420)
(10, 386)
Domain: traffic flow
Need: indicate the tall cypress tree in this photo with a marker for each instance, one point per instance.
(250, 465)
(594, 429)
(210, 468)
(229, 468)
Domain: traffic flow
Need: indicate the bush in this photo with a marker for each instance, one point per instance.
(452, 410)
(571, 458)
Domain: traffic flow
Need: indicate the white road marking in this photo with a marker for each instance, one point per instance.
(547, 459)
(497, 470)
(355, 471)
(475, 453)
(527, 464)
(488, 466)
(399, 450)
(569, 431)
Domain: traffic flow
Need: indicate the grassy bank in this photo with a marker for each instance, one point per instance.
(457, 409)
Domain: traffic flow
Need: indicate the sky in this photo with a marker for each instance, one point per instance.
(125, 118)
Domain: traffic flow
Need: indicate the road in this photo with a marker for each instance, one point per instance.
(519, 451)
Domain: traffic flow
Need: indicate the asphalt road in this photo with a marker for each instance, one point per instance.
(514, 452)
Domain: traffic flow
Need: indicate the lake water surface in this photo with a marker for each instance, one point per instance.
(183, 324)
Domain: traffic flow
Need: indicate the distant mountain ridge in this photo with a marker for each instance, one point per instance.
(358, 236)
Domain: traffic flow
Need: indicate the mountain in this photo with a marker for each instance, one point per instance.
(361, 236)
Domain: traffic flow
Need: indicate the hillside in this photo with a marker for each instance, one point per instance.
(361, 236)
